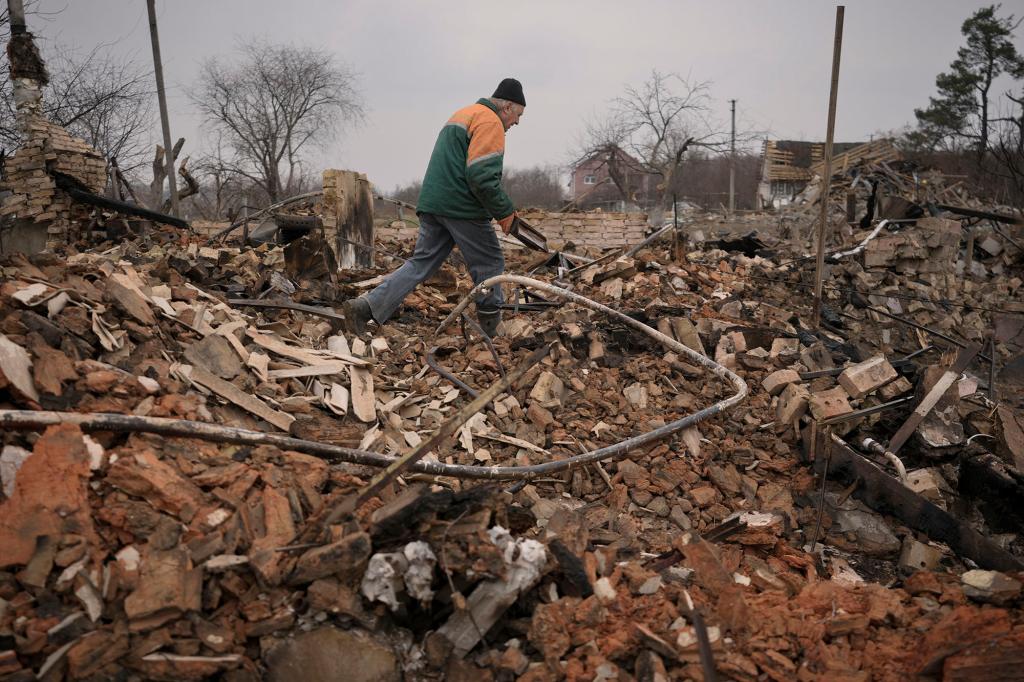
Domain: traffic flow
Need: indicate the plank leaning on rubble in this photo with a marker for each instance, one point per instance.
(244, 400)
(304, 355)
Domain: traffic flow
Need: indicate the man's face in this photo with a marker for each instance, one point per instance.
(510, 114)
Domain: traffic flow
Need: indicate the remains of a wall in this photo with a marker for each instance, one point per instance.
(930, 246)
(35, 199)
(397, 229)
(595, 229)
(347, 211)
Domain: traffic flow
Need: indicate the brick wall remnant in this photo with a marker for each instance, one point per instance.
(34, 197)
(930, 246)
(594, 229)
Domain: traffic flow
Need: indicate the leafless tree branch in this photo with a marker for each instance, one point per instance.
(272, 105)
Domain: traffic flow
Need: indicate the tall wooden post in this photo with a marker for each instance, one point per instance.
(165, 123)
(826, 180)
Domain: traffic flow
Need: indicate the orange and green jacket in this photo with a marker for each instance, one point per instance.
(463, 178)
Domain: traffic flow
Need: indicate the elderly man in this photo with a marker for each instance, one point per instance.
(461, 194)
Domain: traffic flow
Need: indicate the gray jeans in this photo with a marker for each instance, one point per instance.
(480, 249)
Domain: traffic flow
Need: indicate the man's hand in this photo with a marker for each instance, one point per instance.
(506, 222)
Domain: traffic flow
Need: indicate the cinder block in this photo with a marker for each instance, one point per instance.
(864, 377)
(775, 382)
(916, 556)
(792, 404)
(831, 403)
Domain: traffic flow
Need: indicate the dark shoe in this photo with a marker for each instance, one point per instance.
(489, 321)
(357, 314)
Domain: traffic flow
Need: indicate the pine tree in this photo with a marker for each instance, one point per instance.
(960, 116)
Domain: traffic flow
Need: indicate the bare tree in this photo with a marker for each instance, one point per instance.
(650, 128)
(106, 101)
(534, 187)
(221, 190)
(273, 104)
(604, 145)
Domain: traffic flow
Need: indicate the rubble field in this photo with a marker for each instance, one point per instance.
(190, 440)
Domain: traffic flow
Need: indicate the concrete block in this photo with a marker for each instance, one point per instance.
(865, 377)
(776, 381)
(831, 403)
(917, 556)
(792, 404)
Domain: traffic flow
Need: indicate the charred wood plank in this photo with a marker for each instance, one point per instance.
(974, 213)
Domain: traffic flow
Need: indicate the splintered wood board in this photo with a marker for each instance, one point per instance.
(363, 401)
(244, 400)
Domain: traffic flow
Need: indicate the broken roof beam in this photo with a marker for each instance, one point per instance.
(988, 215)
(69, 185)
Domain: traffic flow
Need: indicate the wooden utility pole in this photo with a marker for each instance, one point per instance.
(165, 122)
(826, 180)
(732, 161)
(16, 11)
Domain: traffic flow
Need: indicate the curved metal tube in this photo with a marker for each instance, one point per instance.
(630, 443)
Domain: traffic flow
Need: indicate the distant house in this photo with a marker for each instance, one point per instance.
(786, 168)
(592, 186)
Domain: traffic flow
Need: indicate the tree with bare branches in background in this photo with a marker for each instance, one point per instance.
(650, 128)
(106, 101)
(272, 105)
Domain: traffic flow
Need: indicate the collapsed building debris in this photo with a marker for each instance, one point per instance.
(659, 469)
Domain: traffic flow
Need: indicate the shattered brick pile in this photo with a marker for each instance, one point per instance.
(184, 559)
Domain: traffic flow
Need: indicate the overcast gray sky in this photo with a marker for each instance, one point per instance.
(419, 61)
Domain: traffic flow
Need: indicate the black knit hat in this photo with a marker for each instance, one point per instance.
(512, 90)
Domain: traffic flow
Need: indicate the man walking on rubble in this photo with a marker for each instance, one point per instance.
(461, 194)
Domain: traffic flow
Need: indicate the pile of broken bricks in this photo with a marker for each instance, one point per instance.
(181, 558)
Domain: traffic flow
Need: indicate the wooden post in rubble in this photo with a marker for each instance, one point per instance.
(165, 123)
(826, 179)
(348, 210)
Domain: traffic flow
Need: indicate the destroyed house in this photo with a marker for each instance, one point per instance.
(787, 167)
(592, 186)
